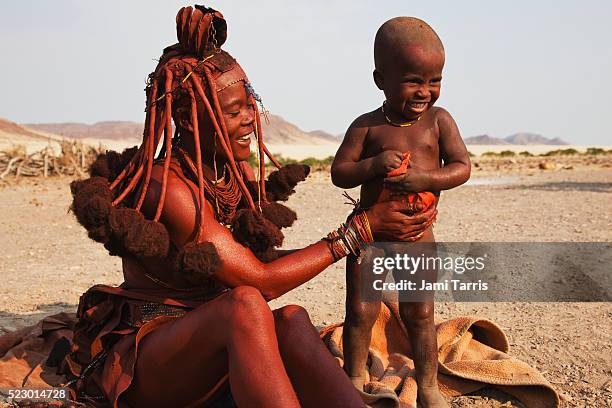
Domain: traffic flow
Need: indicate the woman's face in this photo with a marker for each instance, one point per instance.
(239, 117)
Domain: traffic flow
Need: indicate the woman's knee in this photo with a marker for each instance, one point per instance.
(246, 307)
(295, 331)
(291, 317)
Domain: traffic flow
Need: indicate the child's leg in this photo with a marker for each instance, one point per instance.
(419, 320)
(358, 322)
(418, 317)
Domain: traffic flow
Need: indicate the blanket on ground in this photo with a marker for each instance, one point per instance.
(472, 354)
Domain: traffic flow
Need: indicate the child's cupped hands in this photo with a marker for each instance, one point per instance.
(415, 180)
(386, 161)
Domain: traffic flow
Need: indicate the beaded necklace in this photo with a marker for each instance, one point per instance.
(225, 191)
(389, 121)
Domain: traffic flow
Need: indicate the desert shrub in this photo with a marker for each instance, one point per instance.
(561, 152)
(489, 154)
(507, 153)
(525, 154)
(596, 151)
(470, 154)
(284, 160)
(252, 160)
(317, 164)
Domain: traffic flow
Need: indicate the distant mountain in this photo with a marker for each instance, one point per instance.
(279, 131)
(533, 139)
(110, 130)
(324, 135)
(484, 140)
(13, 133)
(515, 139)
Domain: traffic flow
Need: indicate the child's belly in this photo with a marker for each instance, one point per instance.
(374, 192)
(426, 198)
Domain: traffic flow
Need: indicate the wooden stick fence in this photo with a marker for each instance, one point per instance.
(74, 160)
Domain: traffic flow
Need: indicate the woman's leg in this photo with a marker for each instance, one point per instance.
(183, 359)
(315, 374)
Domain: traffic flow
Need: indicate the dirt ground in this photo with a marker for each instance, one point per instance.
(47, 261)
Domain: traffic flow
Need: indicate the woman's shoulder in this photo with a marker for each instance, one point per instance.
(181, 199)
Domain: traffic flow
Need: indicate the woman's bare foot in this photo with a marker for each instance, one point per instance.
(430, 397)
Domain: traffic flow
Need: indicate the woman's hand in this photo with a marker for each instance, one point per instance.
(391, 221)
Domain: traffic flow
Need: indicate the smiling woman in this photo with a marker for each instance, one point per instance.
(198, 232)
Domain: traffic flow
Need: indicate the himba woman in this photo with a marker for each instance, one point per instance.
(197, 230)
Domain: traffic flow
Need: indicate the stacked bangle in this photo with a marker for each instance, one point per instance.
(351, 237)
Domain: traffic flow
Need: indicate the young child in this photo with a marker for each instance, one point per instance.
(409, 58)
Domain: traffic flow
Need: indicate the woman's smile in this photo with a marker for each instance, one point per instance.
(245, 140)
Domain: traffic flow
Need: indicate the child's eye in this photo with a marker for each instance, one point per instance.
(233, 114)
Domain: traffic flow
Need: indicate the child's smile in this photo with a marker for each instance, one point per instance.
(411, 80)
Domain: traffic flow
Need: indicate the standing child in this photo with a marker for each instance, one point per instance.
(408, 58)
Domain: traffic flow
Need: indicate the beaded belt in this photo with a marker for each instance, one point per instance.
(150, 311)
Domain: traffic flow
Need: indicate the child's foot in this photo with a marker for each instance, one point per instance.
(430, 397)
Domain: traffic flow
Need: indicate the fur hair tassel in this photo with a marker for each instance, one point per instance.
(281, 183)
(197, 262)
(110, 164)
(123, 231)
(279, 214)
(253, 230)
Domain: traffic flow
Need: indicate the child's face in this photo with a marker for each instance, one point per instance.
(411, 79)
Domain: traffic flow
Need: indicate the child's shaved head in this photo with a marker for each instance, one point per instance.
(401, 32)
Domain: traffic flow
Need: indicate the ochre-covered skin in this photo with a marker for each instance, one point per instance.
(395, 153)
(219, 326)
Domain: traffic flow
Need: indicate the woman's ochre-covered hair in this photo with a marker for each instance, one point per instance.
(189, 73)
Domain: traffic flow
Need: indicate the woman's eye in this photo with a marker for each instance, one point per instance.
(233, 114)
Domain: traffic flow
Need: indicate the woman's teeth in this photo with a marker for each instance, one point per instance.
(246, 139)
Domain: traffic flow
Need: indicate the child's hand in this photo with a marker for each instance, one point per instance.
(415, 180)
(386, 161)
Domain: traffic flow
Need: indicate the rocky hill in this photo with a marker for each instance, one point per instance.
(484, 140)
(13, 132)
(109, 130)
(533, 139)
(279, 131)
(523, 138)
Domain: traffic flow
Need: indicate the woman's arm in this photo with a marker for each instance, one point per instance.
(238, 264)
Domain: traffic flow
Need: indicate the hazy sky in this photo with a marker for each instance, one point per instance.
(516, 66)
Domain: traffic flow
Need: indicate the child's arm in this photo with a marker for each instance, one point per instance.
(349, 171)
(457, 166)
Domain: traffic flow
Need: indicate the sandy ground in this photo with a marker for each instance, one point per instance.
(47, 262)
